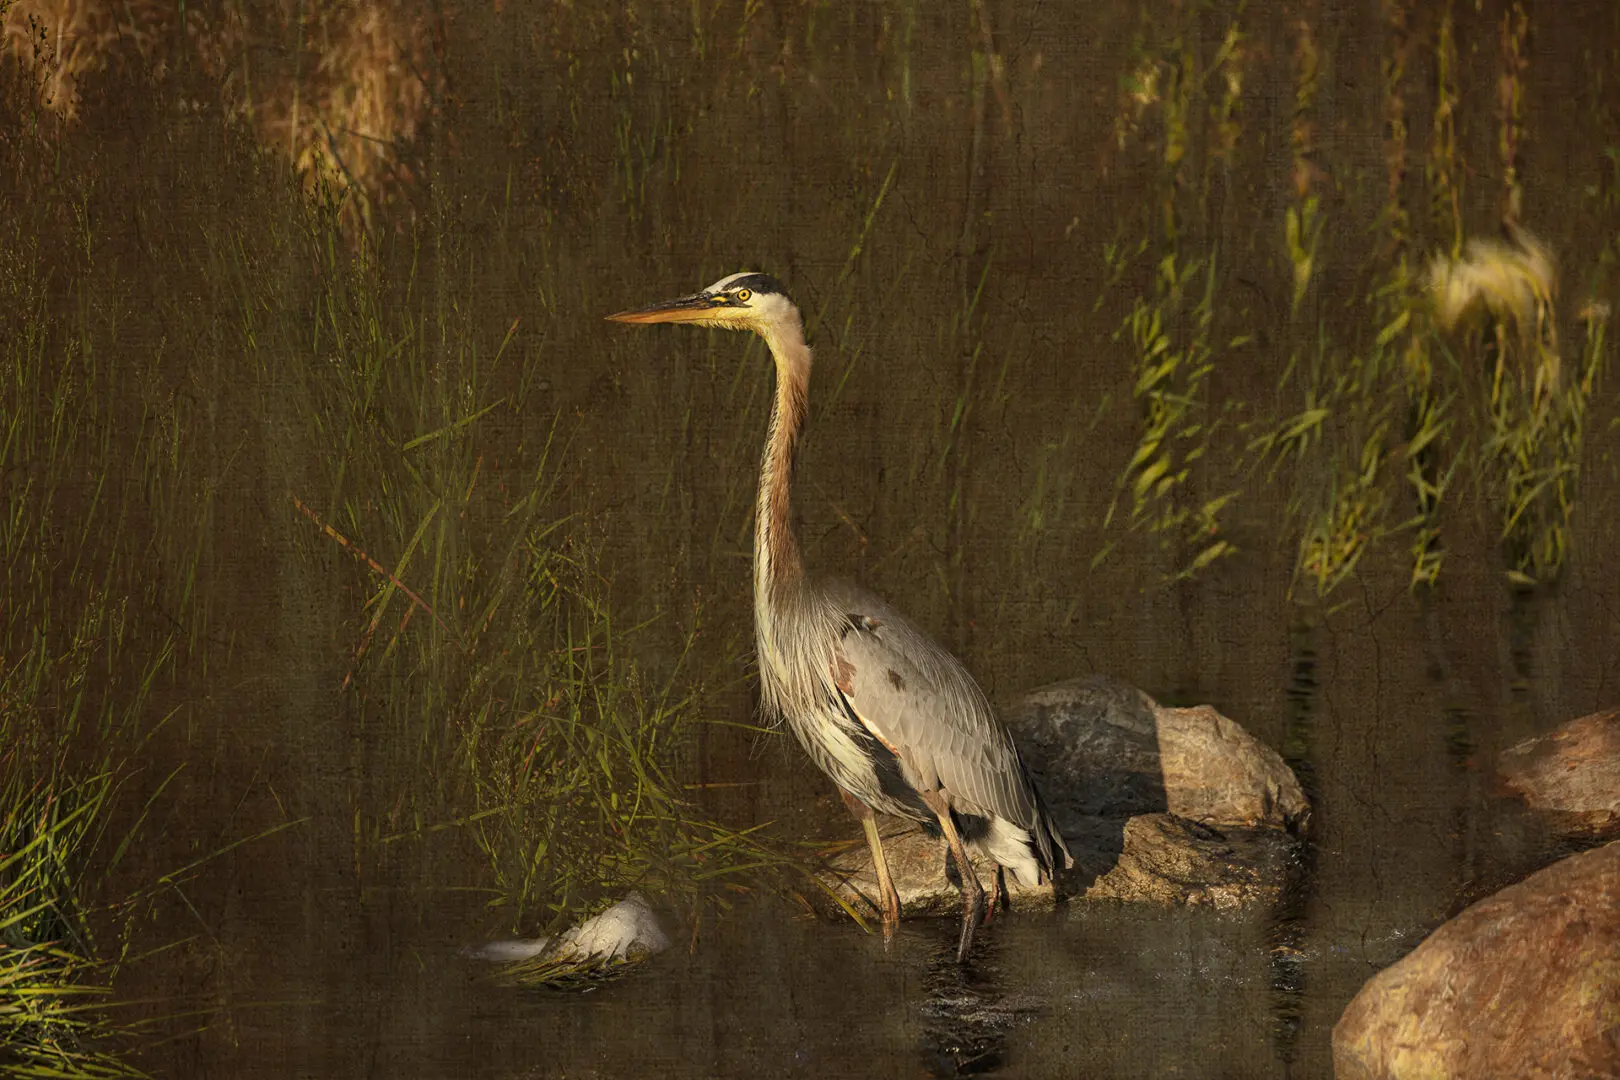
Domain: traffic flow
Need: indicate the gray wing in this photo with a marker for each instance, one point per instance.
(920, 702)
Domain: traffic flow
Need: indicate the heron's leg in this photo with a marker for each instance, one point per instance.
(972, 891)
(998, 893)
(890, 896)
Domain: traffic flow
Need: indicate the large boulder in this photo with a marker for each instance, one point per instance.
(1157, 804)
(1570, 776)
(1525, 983)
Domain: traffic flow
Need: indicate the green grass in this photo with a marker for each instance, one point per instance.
(1452, 383)
(504, 708)
(79, 663)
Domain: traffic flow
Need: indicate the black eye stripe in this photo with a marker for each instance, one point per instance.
(758, 284)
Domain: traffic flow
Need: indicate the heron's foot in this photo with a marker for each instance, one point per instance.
(891, 916)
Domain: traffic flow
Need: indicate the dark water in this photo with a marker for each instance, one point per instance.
(1086, 993)
(318, 973)
(940, 213)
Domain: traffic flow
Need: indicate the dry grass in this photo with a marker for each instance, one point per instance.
(59, 43)
(342, 88)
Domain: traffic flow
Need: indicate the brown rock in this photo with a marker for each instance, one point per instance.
(1571, 776)
(1524, 984)
(1170, 860)
(1150, 858)
(1219, 774)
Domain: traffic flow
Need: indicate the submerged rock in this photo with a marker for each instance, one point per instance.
(629, 930)
(1571, 775)
(1525, 983)
(1157, 805)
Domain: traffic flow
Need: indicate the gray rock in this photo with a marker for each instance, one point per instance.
(1570, 776)
(1525, 983)
(1158, 805)
(1110, 750)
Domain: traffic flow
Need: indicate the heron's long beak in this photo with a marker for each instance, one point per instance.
(694, 308)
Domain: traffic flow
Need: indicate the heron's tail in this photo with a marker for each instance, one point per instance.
(1031, 854)
(1048, 841)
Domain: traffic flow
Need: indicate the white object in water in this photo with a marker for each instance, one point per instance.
(630, 926)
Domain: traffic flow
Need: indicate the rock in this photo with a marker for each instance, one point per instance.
(628, 930)
(1169, 860)
(1149, 858)
(1570, 776)
(1112, 751)
(1525, 983)
(1157, 805)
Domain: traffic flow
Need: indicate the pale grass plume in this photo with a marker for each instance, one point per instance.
(1512, 281)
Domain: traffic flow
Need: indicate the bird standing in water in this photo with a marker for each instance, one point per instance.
(895, 720)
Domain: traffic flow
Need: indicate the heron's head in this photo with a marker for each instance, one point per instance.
(745, 301)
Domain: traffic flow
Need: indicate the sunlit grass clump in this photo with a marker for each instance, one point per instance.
(344, 101)
(52, 986)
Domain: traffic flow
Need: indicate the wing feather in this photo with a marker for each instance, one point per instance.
(919, 701)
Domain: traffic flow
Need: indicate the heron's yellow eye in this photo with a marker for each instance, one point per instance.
(743, 295)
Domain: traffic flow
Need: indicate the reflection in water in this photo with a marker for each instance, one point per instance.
(1289, 926)
(968, 1010)
(1523, 616)
(1461, 742)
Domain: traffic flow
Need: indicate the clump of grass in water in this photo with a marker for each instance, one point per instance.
(1171, 375)
(1340, 440)
(1401, 313)
(1501, 298)
(52, 989)
(573, 788)
(1341, 518)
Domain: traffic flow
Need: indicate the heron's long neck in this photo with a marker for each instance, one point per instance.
(778, 568)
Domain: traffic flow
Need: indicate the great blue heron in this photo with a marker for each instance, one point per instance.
(893, 718)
